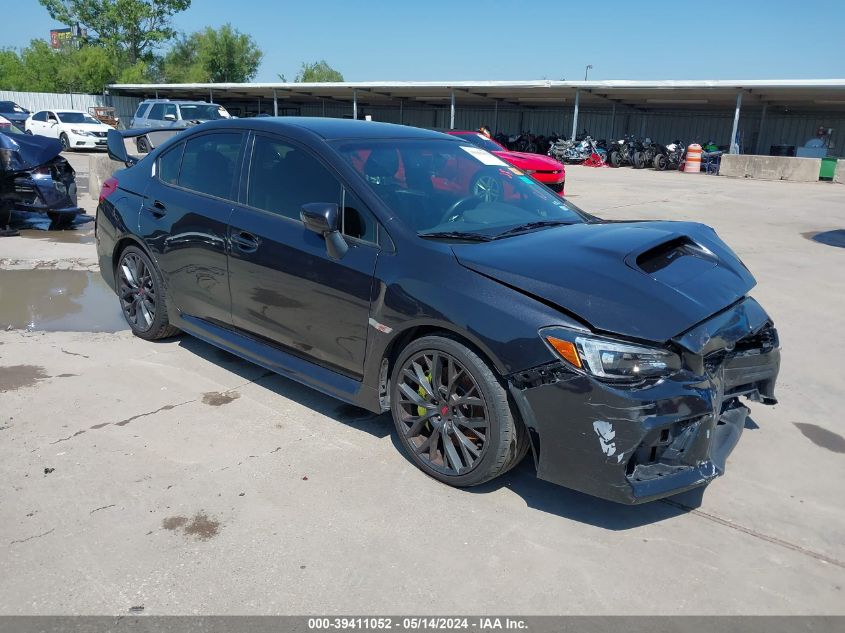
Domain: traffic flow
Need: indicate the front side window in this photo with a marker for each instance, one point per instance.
(210, 163)
(156, 112)
(442, 186)
(140, 111)
(282, 178)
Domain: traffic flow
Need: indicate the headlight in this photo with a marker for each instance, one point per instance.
(82, 132)
(610, 359)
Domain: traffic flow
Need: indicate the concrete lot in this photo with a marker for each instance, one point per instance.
(178, 478)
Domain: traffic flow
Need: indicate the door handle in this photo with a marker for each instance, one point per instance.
(244, 241)
(158, 209)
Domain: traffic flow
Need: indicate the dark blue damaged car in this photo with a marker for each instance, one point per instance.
(407, 271)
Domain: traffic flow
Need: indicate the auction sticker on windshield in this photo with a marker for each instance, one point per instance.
(485, 157)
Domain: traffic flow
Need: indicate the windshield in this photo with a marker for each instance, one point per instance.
(479, 140)
(203, 112)
(76, 117)
(11, 106)
(439, 186)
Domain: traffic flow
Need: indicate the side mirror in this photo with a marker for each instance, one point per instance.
(169, 117)
(117, 149)
(323, 219)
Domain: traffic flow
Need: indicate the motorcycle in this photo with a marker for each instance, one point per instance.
(644, 152)
(567, 151)
(620, 152)
(669, 156)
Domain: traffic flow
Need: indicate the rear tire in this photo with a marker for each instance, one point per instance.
(660, 162)
(140, 290)
(452, 413)
(143, 146)
(615, 159)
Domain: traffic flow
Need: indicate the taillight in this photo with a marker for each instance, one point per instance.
(109, 187)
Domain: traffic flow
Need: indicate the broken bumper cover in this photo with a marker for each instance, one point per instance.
(637, 444)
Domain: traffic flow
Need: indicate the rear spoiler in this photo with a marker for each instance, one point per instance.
(155, 137)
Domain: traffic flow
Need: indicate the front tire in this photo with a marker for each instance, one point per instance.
(63, 139)
(452, 413)
(143, 146)
(140, 290)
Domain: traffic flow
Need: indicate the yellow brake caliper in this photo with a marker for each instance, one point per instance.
(421, 391)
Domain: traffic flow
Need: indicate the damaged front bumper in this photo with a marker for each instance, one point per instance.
(637, 444)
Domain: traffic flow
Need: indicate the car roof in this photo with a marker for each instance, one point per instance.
(178, 101)
(331, 129)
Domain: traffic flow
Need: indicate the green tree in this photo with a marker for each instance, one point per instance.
(11, 70)
(316, 72)
(212, 55)
(136, 27)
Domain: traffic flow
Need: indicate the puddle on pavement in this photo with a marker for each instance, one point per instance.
(831, 238)
(820, 436)
(58, 301)
(38, 226)
(16, 377)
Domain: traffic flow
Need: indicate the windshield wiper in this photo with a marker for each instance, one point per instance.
(530, 226)
(457, 235)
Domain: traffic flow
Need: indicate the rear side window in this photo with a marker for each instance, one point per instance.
(210, 163)
(168, 165)
(282, 178)
(40, 116)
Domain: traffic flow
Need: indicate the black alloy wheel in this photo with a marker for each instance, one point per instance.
(452, 413)
(140, 290)
(143, 146)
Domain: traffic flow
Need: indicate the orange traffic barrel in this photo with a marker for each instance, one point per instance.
(693, 161)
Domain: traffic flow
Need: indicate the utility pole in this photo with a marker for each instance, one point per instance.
(587, 70)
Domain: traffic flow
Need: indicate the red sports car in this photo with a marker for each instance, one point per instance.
(545, 169)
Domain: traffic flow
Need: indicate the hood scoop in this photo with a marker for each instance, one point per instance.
(673, 261)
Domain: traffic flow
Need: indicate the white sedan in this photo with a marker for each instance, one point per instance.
(75, 129)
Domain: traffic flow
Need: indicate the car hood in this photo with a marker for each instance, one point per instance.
(88, 127)
(647, 280)
(530, 161)
(21, 153)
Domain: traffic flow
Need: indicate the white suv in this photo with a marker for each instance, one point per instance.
(157, 113)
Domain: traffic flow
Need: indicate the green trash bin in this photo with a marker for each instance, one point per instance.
(828, 169)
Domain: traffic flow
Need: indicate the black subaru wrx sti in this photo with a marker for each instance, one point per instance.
(404, 270)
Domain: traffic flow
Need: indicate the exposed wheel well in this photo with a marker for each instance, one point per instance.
(121, 246)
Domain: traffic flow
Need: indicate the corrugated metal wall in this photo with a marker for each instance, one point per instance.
(36, 101)
(780, 128)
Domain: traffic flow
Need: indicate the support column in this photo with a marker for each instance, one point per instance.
(452, 112)
(210, 95)
(324, 106)
(612, 122)
(496, 116)
(401, 112)
(575, 114)
(275, 103)
(733, 144)
(759, 143)
(355, 104)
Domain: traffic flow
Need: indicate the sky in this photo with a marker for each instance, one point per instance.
(439, 40)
